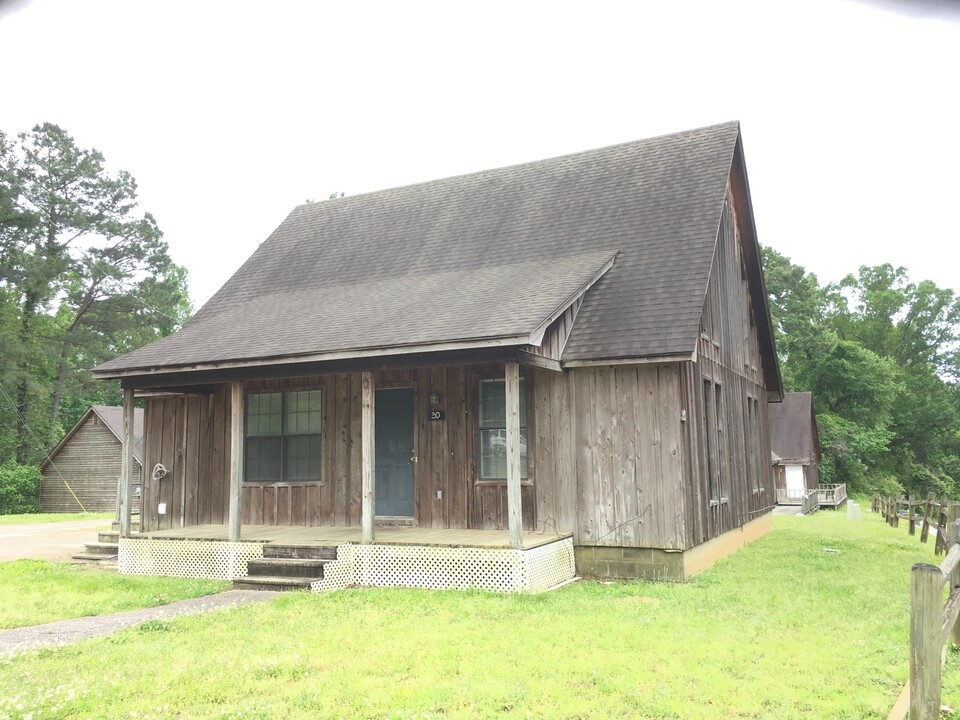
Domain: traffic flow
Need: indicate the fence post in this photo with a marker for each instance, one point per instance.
(896, 512)
(954, 579)
(926, 644)
(912, 523)
(925, 528)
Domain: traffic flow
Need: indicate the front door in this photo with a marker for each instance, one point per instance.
(394, 452)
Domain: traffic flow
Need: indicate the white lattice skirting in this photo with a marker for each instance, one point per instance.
(496, 569)
(213, 559)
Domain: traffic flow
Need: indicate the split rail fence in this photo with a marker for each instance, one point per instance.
(925, 513)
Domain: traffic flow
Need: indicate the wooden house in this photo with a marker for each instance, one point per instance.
(795, 444)
(575, 350)
(81, 473)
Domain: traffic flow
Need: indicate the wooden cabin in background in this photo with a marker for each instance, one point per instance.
(577, 347)
(80, 474)
(795, 444)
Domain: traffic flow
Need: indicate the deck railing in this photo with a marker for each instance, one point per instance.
(811, 502)
(833, 494)
(791, 497)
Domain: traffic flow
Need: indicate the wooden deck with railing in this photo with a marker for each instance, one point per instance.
(830, 495)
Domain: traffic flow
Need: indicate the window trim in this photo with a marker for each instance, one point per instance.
(283, 482)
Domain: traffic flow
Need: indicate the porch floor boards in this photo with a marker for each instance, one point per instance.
(331, 536)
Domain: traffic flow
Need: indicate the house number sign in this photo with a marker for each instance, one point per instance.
(436, 415)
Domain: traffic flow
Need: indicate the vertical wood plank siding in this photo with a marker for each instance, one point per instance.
(728, 358)
(90, 463)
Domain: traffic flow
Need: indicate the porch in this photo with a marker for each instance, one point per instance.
(334, 536)
(432, 558)
(825, 495)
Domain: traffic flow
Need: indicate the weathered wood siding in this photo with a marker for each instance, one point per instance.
(189, 436)
(90, 463)
(609, 455)
(726, 438)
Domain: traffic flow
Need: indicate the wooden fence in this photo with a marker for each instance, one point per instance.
(923, 512)
(933, 624)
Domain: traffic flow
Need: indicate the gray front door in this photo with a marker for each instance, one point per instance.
(394, 452)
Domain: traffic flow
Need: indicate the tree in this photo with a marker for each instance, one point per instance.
(85, 274)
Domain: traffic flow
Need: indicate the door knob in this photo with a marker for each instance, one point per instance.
(413, 459)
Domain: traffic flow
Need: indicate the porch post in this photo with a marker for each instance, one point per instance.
(236, 460)
(367, 440)
(126, 463)
(514, 514)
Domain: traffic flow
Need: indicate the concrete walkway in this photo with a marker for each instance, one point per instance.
(48, 541)
(64, 632)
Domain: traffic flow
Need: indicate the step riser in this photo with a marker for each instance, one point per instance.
(108, 537)
(300, 552)
(273, 582)
(258, 569)
(104, 549)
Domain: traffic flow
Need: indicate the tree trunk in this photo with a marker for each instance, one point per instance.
(23, 383)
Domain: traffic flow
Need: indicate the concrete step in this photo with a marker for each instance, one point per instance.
(302, 552)
(272, 582)
(102, 548)
(134, 525)
(109, 537)
(98, 557)
(286, 567)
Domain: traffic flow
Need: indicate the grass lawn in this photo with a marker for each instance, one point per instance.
(52, 517)
(809, 622)
(33, 592)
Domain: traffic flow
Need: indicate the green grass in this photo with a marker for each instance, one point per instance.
(52, 518)
(809, 622)
(33, 592)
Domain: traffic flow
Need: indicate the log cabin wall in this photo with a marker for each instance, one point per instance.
(726, 437)
(189, 435)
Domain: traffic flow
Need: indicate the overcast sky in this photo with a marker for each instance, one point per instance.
(229, 114)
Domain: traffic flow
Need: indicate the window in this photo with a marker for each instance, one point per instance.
(713, 427)
(493, 430)
(283, 437)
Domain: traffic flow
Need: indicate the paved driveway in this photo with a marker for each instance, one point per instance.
(48, 541)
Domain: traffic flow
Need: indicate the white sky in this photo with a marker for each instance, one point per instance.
(229, 114)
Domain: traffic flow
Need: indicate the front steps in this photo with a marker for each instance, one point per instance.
(107, 545)
(286, 567)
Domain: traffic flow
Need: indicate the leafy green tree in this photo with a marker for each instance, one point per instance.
(85, 275)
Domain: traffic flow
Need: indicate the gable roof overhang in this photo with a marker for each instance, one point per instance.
(758, 288)
(508, 320)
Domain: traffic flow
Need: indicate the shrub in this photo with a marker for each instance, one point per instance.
(19, 489)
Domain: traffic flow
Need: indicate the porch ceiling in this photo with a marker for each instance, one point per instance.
(332, 536)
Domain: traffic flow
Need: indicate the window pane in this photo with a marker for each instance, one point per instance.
(493, 403)
(262, 462)
(493, 454)
(303, 414)
(302, 458)
(263, 414)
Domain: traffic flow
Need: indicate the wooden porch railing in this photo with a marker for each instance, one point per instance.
(833, 495)
(811, 502)
(791, 497)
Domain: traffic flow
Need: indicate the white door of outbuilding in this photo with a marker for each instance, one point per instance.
(795, 485)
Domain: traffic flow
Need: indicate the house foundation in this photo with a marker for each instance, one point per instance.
(623, 563)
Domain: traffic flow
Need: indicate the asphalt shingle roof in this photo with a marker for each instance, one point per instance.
(479, 256)
(791, 428)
